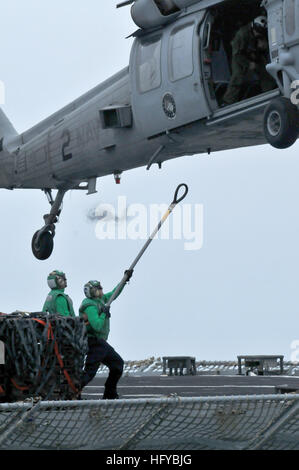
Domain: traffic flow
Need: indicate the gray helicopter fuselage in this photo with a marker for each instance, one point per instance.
(160, 107)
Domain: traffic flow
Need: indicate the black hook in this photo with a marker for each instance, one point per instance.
(176, 200)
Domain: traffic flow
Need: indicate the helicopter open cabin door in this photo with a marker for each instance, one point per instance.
(215, 65)
(166, 77)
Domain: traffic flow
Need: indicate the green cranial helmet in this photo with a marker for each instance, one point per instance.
(57, 280)
(91, 287)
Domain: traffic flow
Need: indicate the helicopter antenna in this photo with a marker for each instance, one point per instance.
(124, 4)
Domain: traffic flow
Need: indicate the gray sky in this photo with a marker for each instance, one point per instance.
(238, 294)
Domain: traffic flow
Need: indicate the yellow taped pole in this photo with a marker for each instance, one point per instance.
(176, 200)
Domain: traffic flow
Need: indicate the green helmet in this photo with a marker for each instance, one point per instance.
(57, 280)
(91, 287)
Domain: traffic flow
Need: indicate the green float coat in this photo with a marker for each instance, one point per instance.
(98, 324)
(58, 302)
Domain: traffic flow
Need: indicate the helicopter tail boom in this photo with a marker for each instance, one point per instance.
(8, 135)
(7, 131)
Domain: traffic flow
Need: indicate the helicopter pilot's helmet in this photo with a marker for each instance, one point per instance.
(260, 24)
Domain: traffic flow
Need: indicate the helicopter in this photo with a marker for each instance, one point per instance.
(166, 104)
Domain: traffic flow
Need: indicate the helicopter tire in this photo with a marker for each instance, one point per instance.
(281, 123)
(44, 248)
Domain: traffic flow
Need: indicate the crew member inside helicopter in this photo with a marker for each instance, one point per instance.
(249, 58)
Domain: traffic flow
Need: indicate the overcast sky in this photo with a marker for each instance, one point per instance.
(238, 294)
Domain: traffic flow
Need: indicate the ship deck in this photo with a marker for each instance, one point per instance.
(157, 386)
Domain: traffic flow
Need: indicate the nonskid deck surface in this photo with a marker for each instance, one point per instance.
(191, 386)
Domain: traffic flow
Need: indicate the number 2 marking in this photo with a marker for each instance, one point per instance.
(66, 135)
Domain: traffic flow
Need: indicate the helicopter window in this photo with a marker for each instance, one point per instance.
(181, 52)
(290, 16)
(149, 64)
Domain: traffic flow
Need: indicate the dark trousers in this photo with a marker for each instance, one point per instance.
(100, 352)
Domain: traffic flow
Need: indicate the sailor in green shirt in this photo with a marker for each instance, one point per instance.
(57, 301)
(97, 320)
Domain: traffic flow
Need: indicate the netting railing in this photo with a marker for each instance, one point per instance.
(247, 422)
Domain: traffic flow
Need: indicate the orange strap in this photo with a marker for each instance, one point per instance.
(2, 392)
(59, 358)
(18, 386)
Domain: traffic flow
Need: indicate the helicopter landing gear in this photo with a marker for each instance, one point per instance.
(42, 242)
(281, 123)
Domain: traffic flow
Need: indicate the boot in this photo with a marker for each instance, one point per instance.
(110, 395)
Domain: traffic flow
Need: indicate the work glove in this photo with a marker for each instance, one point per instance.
(129, 273)
(106, 310)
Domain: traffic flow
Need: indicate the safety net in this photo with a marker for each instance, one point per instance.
(174, 423)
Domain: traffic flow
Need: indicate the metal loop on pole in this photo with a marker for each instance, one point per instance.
(176, 200)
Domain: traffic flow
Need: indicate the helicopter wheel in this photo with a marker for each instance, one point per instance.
(281, 123)
(43, 248)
